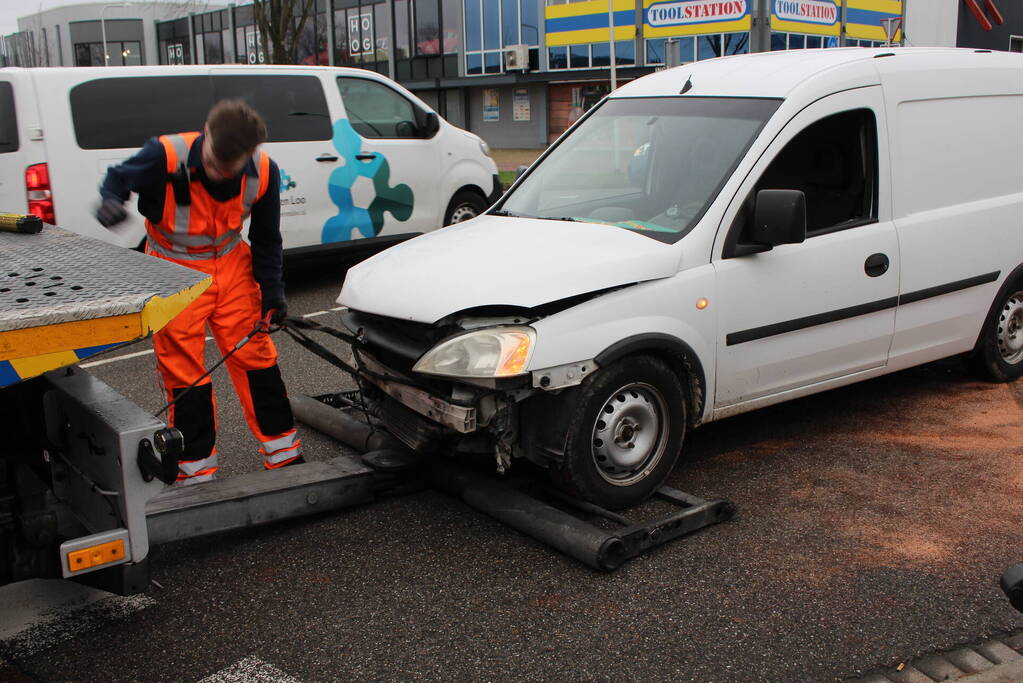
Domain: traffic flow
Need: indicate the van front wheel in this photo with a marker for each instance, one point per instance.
(625, 433)
(464, 205)
(999, 354)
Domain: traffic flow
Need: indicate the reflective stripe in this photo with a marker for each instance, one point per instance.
(197, 478)
(251, 191)
(191, 468)
(282, 455)
(182, 213)
(268, 466)
(190, 240)
(281, 443)
(234, 239)
(250, 188)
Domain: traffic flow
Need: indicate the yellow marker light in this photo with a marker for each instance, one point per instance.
(701, 304)
(513, 360)
(95, 556)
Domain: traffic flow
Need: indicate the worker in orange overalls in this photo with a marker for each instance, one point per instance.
(195, 190)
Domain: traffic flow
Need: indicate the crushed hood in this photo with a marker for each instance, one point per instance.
(495, 261)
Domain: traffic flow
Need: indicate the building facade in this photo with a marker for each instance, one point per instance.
(516, 72)
(74, 35)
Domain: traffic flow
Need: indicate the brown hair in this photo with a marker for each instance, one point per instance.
(236, 129)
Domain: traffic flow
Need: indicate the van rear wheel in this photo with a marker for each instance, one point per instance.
(999, 353)
(465, 205)
(625, 433)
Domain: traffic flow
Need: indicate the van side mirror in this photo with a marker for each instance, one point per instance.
(431, 124)
(779, 217)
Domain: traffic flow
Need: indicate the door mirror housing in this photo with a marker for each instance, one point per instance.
(779, 217)
(429, 123)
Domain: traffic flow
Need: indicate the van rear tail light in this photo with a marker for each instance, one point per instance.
(40, 197)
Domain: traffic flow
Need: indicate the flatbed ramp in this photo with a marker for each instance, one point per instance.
(256, 498)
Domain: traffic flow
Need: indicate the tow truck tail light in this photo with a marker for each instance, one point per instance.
(40, 196)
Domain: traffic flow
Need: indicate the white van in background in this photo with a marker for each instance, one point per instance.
(361, 158)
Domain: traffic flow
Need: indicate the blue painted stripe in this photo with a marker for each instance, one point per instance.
(866, 17)
(84, 353)
(7, 374)
(589, 21)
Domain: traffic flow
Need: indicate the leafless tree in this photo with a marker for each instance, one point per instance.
(281, 24)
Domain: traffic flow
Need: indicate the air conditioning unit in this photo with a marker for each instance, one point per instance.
(516, 58)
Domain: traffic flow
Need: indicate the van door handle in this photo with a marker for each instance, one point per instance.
(366, 156)
(876, 265)
(327, 157)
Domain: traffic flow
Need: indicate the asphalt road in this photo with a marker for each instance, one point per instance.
(873, 523)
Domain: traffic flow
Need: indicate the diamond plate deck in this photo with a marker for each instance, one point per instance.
(58, 276)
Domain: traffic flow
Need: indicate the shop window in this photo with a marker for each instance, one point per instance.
(1015, 43)
(736, 43)
(708, 47)
(579, 57)
(557, 57)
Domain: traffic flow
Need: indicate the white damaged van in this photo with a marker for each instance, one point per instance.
(364, 163)
(708, 240)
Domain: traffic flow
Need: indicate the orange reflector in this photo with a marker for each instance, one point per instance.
(702, 303)
(95, 556)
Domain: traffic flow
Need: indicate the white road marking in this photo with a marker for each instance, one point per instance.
(326, 312)
(250, 670)
(126, 356)
(41, 614)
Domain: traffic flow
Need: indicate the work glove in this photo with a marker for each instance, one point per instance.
(110, 212)
(279, 306)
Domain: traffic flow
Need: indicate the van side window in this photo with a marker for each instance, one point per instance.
(8, 119)
(294, 107)
(376, 111)
(118, 113)
(834, 162)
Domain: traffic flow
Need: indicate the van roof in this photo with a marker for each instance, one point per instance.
(777, 74)
(86, 73)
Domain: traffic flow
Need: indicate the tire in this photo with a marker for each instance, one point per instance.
(999, 353)
(464, 205)
(608, 460)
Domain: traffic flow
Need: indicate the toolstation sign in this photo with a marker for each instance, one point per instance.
(807, 11)
(690, 12)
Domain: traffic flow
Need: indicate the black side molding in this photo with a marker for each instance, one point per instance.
(774, 329)
(948, 288)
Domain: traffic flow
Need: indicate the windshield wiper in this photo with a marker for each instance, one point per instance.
(508, 214)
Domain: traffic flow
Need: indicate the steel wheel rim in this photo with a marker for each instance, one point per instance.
(463, 212)
(1010, 329)
(628, 437)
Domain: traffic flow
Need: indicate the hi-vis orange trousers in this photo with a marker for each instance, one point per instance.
(230, 307)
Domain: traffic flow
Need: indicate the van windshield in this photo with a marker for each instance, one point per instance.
(651, 164)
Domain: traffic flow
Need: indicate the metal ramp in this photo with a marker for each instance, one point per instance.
(556, 520)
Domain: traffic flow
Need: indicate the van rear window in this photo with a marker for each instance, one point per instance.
(118, 113)
(8, 119)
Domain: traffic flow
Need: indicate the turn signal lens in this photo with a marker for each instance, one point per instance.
(701, 304)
